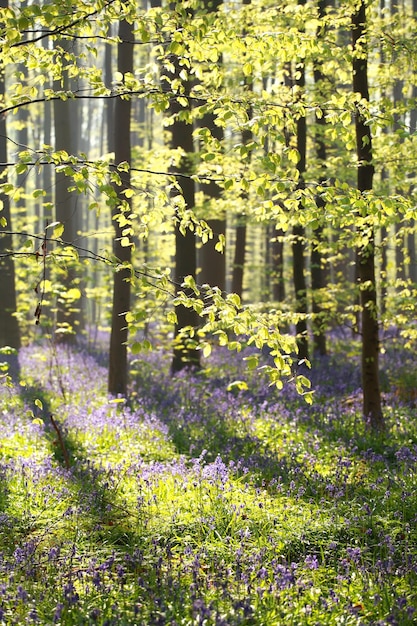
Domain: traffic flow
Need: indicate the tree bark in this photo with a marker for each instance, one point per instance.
(298, 245)
(67, 207)
(118, 362)
(239, 257)
(317, 269)
(185, 352)
(277, 263)
(372, 410)
(9, 327)
(213, 263)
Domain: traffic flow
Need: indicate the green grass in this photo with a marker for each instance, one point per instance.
(201, 506)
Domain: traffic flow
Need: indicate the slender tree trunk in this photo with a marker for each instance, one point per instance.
(241, 232)
(300, 287)
(118, 363)
(277, 258)
(185, 353)
(47, 172)
(317, 269)
(411, 239)
(213, 263)
(9, 327)
(239, 257)
(241, 227)
(68, 209)
(298, 245)
(109, 116)
(366, 254)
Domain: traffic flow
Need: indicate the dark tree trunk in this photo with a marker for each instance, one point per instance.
(185, 353)
(67, 207)
(118, 364)
(241, 227)
(213, 263)
(109, 117)
(9, 327)
(239, 258)
(317, 262)
(366, 254)
(298, 245)
(277, 262)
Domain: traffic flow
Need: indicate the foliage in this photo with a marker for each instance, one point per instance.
(254, 89)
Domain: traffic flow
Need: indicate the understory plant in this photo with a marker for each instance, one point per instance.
(206, 498)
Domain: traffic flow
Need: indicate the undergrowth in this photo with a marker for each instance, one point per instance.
(202, 501)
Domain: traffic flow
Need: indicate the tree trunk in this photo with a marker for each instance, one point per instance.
(67, 208)
(317, 268)
(213, 263)
(185, 353)
(109, 114)
(9, 327)
(366, 254)
(277, 262)
(118, 363)
(239, 258)
(298, 244)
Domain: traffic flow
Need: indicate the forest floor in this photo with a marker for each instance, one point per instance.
(210, 499)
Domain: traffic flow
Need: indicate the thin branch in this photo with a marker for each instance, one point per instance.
(62, 29)
(114, 166)
(90, 255)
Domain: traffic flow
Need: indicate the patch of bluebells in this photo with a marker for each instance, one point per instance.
(249, 518)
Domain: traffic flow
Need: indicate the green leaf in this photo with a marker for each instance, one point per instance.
(58, 231)
(136, 347)
(239, 385)
(221, 244)
(252, 361)
(293, 156)
(21, 168)
(248, 69)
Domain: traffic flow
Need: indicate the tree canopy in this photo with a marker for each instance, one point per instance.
(244, 80)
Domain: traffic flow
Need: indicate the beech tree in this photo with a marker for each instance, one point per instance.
(223, 69)
(211, 258)
(121, 216)
(9, 327)
(366, 253)
(68, 204)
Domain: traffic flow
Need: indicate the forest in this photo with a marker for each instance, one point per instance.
(208, 274)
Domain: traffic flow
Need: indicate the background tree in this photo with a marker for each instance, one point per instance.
(372, 409)
(264, 177)
(121, 216)
(213, 261)
(68, 203)
(9, 327)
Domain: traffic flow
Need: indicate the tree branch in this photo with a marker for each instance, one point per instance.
(61, 29)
